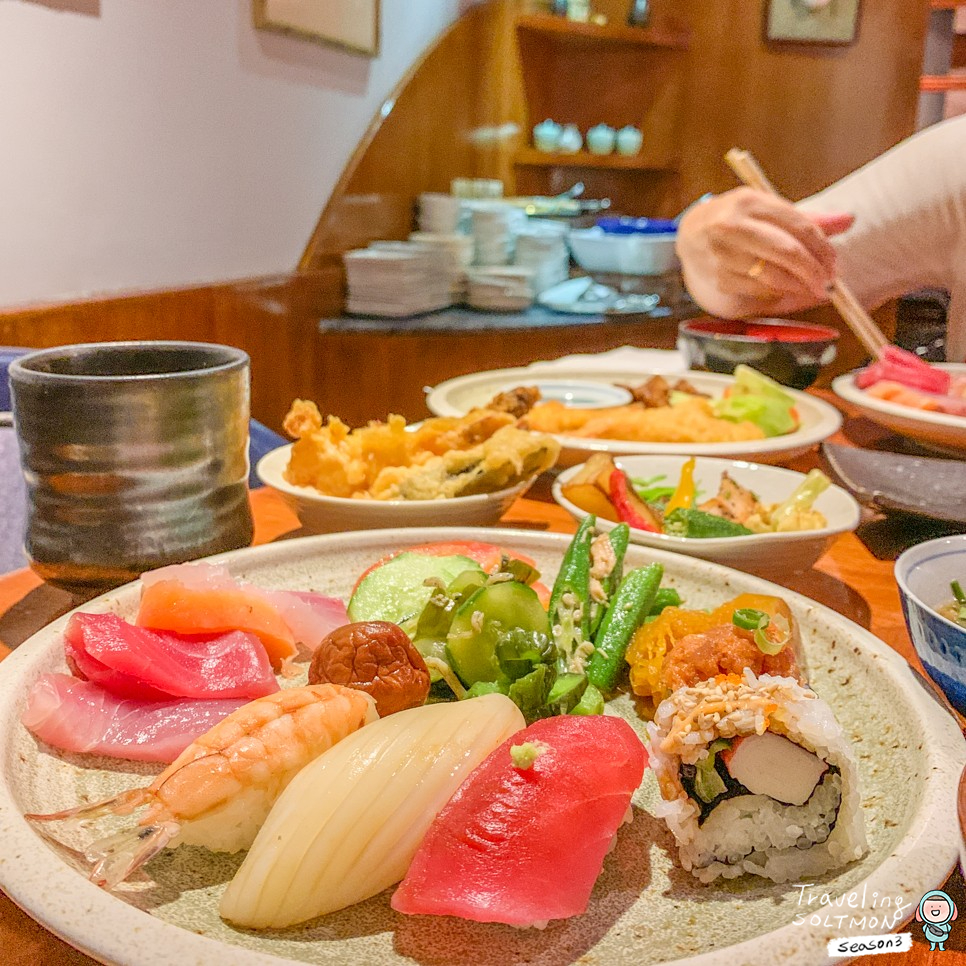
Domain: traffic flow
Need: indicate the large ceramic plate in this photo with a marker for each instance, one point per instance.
(644, 908)
(939, 431)
(819, 420)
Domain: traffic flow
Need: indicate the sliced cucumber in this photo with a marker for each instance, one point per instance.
(397, 591)
(472, 641)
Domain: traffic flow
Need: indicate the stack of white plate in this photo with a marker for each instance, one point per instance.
(438, 213)
(494, 226)
(395, 280)
(500, 289)
(545, 251)
(455, 254)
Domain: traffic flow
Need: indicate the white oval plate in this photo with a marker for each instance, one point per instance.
(939, 431)
(798, 550)
(819, 420)
(644, 908)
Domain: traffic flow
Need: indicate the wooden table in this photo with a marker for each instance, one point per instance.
(854, 577)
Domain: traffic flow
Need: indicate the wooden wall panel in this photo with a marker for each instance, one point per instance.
(810, 113)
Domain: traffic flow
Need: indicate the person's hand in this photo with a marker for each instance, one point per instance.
(748, 253)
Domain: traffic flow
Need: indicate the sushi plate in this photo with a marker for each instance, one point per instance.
(644, 908)
(819, 420)
(938, 431)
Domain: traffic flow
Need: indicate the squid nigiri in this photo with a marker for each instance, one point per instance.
(349, 823)
(218, 792)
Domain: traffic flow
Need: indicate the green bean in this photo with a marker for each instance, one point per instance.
(619, 537)
(569, 609)
(631, 603)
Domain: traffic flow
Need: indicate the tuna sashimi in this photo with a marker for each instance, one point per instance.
(119, 656)
(906, 368)
(523, 840)
(79, 716)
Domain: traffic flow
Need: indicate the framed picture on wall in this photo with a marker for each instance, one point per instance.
(351, 24)
(812, 21)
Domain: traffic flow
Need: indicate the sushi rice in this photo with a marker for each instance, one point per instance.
(754, 833)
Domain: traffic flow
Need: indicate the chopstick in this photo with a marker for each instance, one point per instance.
(858, 320)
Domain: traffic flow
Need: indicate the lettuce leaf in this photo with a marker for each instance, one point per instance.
(773, 416)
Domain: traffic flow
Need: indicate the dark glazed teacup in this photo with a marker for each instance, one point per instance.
(135, 456)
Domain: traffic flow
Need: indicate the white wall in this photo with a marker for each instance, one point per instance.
(151, 144)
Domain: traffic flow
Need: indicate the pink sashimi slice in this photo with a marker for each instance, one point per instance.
(309, 616)
(79, 716)
(87, 668)
(232, 665)
(906, 368)
(523, 846)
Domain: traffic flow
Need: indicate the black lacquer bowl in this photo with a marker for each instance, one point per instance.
(792, 353)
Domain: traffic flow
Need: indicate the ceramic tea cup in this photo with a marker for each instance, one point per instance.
(135, 455)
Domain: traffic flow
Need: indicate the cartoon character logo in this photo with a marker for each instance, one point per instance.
(936, 912)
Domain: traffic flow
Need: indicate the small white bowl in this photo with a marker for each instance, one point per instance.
(769, 553)
(596, 250)
(582, 395)
(319, 513)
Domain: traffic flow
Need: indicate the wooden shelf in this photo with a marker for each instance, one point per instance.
(573, 31)
(584, 159)
(947, 4)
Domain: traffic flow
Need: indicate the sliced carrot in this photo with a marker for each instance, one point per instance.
(170, 606)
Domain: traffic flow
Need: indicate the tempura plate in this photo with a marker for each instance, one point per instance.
(644, 908)
(819, 420)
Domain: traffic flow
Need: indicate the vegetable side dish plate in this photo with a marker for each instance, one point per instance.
(644, 908)
(940, 431)
(818, 419)
(797, 549)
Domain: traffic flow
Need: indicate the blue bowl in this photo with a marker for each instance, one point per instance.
(923, 574)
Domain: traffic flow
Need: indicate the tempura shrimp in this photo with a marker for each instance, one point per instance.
(219, 790)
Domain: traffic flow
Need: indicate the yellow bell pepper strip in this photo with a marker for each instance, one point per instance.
(683, 497)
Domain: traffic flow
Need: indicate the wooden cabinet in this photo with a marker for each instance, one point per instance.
(588, 74)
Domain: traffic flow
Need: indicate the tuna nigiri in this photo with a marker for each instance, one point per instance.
(136, 662)
(79, 716)
(523, 840)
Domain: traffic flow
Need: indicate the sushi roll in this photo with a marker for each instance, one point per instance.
(757, 777)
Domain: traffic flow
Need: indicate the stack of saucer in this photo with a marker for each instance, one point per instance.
(439, 213)
(546, 253)
(395, 280)
(500, 289)
(494, 227)
(455, 254)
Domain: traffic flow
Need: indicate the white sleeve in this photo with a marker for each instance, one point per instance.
(910, 223)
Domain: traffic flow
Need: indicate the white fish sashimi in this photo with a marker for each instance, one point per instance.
(348, 825)
(76, 715)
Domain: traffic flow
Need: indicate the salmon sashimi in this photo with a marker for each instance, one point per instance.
(903, 396)
(204, 599)
(232, 665)
(79, 716)
(281, 619)
(524, 838)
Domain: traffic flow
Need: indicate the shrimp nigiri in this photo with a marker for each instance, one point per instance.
(219, 791)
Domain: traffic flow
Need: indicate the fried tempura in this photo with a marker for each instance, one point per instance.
(443, 457)
(692, 421)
